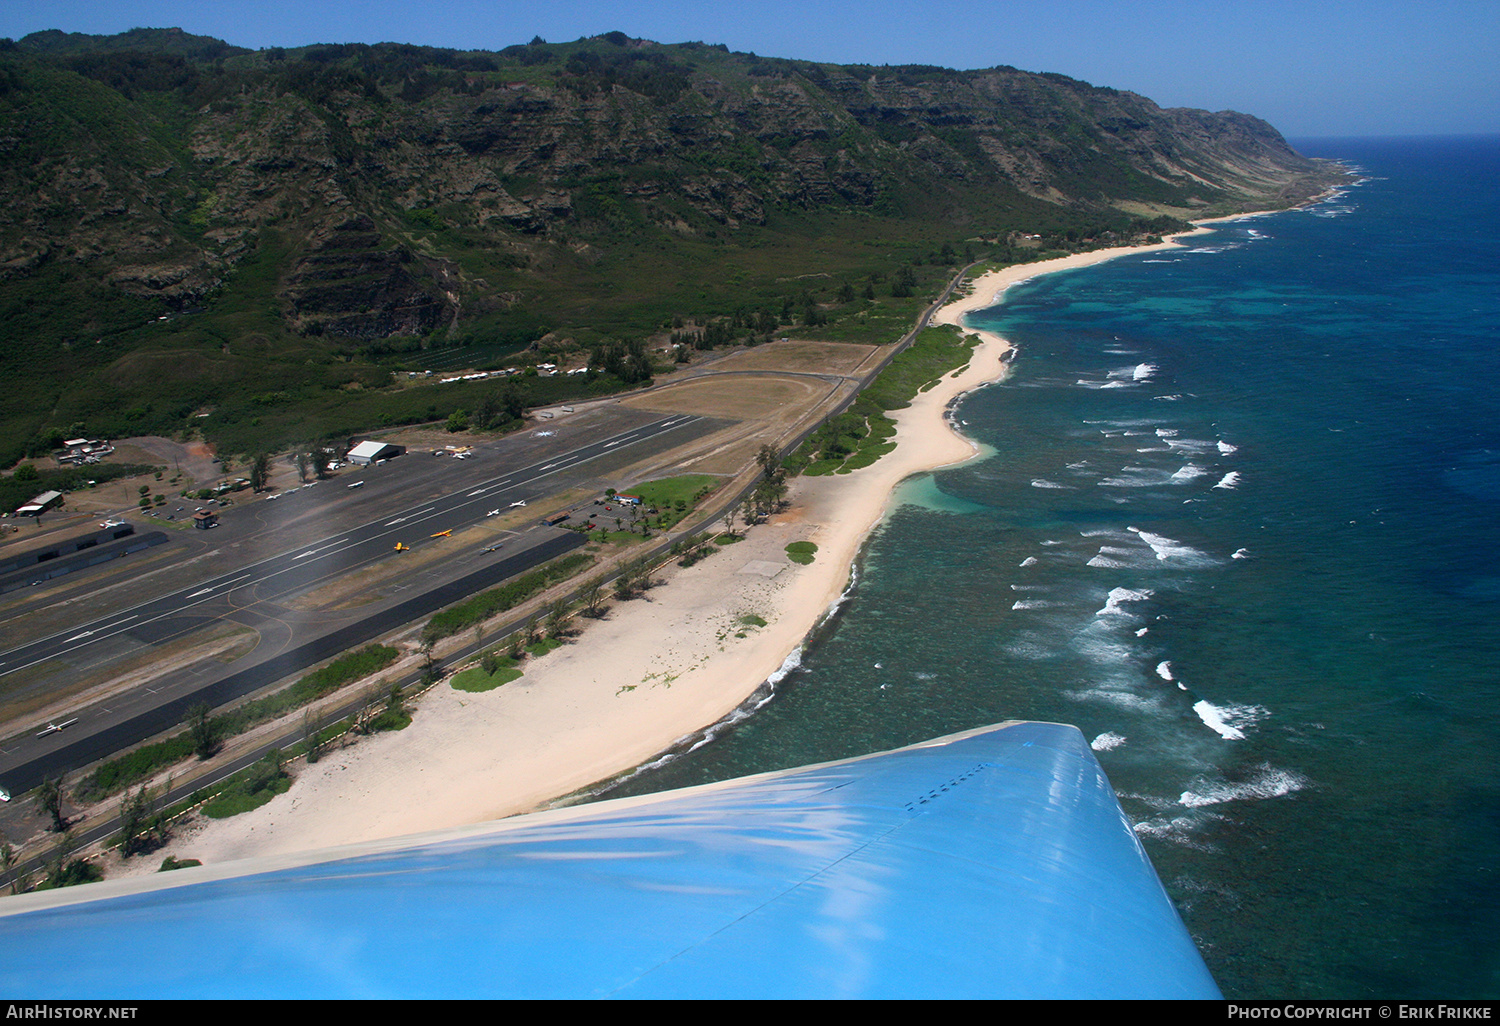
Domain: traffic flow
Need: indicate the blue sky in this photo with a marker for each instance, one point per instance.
(1311, 68)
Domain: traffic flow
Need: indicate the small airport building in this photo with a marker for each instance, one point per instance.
(41, 504)
(368, 452)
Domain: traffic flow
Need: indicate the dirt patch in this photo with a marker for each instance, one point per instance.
(738, 397)
(795, 355)
(193, 460)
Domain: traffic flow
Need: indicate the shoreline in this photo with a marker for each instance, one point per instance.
(653, 674)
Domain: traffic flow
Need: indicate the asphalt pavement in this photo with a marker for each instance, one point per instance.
(103, 727)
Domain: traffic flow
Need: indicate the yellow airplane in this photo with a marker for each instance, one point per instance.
(401, 548)
(443, 534)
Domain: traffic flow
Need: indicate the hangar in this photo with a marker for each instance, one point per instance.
(369, 452)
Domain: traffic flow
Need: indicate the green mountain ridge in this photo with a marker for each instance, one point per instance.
(191, 226)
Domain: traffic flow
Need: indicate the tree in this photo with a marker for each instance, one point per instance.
(639, 574)
(26, 472)
(312, 738)
(49, 795)
(905, 284)
(557, 620)
(205, 734)
(139, 830)
(488, 411)
(593, 598)
(458, 420)
(431, 669)
(302, 464)
(771, 491)
(260, 471)
(768, 458)
(512, 401)
(64, 873)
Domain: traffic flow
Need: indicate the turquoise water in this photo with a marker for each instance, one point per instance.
(1239, 525)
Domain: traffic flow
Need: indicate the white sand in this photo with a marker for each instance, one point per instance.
(655, 671)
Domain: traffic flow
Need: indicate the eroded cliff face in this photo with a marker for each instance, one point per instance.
(349, 181)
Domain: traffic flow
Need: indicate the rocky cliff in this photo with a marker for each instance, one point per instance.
(270, 222)
(157, 161)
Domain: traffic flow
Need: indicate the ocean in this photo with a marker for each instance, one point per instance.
(1237, 520)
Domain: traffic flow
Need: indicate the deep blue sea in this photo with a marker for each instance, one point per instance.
(1239, 521)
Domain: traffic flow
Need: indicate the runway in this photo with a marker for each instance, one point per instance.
(251, 595)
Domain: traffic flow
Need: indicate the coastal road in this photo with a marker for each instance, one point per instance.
(249, 596)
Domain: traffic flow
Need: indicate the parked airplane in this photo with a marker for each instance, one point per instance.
(401, 547)
(519, 502)
(493, 513)
(442, 534)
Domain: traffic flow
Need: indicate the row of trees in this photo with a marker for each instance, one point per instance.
(770, 492)
(805, 309)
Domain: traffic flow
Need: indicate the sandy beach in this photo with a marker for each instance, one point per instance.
(654, 671)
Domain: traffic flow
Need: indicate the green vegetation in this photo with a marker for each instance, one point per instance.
(698, 548)
(250, 788)
(387, 712)
(20, 488)
(494, 669)
(801, 552)
(141, 828)
(63, 871)
(481, 607)
(172, 862)
(862, 434)
(123, 771)
(277, 238)
(676, 492)
(664, 504)
(476, 678)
